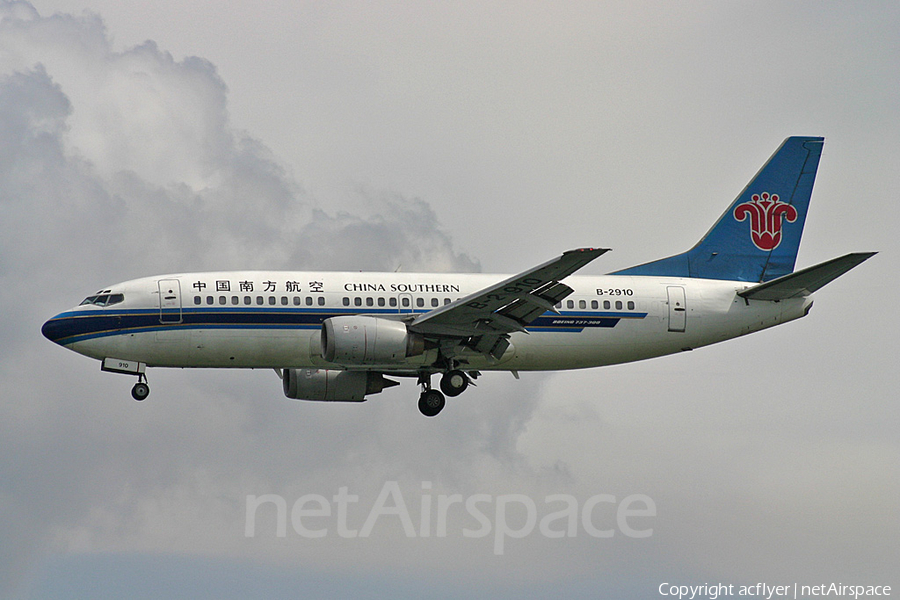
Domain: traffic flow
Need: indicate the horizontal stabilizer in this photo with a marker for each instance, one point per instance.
(805, 281)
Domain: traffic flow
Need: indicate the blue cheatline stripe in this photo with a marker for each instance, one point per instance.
(78, 326)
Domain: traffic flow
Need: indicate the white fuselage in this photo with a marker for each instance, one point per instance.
(260, 319)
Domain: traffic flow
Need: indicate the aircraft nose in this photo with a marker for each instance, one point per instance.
(53, 329)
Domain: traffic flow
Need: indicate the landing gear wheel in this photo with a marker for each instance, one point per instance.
(140, 391)
(454, 383)
(431, 402)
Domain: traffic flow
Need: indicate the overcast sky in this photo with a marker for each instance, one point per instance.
(144, 138)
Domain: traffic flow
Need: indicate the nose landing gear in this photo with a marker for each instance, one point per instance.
(140, 390)
(129, 367)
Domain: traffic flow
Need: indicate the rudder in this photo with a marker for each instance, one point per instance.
(758, 237)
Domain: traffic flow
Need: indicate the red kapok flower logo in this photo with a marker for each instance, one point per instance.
(766, 213)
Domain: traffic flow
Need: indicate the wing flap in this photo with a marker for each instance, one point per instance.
(806, 281)
(530, 306)
(490, 345)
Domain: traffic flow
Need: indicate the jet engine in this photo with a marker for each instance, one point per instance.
(362, 340)
(333, 386)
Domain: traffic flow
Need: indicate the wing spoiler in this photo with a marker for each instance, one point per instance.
(805, 281)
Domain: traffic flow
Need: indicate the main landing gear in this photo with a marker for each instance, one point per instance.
(140, 390)
(431, 401)
(454, 383)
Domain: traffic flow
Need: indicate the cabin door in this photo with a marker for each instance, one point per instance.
(677, 308)
(169, 301)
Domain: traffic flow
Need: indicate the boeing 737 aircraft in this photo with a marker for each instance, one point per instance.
(341, 336)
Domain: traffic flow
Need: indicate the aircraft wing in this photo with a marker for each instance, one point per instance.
(805, 281)
(489, 315)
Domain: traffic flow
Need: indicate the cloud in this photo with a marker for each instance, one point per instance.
(115, 165)
(145, 141)
(770, 456)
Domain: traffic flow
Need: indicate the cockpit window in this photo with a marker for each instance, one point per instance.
(103, 299)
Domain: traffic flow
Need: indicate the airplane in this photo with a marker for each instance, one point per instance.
(342, 336)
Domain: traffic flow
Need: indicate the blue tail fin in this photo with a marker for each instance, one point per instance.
(758, 236)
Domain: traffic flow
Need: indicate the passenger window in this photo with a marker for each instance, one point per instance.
(559, 305)
(297, 300)
(247, 300)
(435, 302)
(446, 301)
(308, 301)
(321, 301)
(582, 304)
(630, 305)
(234, 300)
(595, 305)
(271, 300)
(392, 302)
(357, 301)
(618, 305)
(259, 300)
(405, 302)
(222, 300)
(606, 304)
(346, 301)
(381, 302)
(209, 300)
(570, 304)
(197, 300)
(284, 301)
(370, 302)
(420, 302)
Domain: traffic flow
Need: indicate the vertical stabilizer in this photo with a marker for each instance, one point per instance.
(758, 237)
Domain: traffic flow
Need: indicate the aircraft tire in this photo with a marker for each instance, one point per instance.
(140, 391)
(431, 402)
(454, 383)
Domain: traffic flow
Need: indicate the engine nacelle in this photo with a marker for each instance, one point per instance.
(332, 386)
(360, 340)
